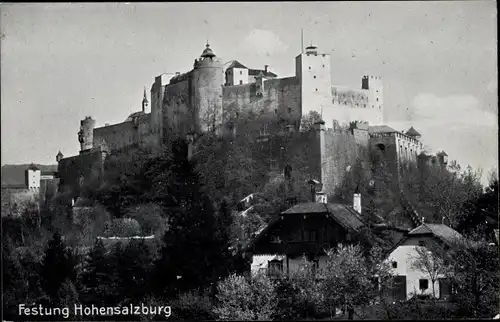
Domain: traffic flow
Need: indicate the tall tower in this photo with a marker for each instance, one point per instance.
(374, 86)
(144, 101)
(86, 133)
(313, 71)
(208, 79)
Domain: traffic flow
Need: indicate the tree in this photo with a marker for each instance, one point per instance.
(97, 277)
(13, 279)
(150, 218)
(133, 271)
(194, 229)
(58, 265)
(428, 263)
(473, 270)
(247, 300)
(308, 120)
(346, 279)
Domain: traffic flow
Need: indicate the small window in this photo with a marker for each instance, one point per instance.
(377, 99)
(275, 111)
(289, 110)
(323, 65)
(309, 67)
(241, 82)
(394, 264)
(314, 77)
(364, 105)
(241, 72)
(421, 243)
(373, 106)
(423, 284)
(377, 90)
(316, 89)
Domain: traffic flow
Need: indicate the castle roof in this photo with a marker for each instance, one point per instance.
(208, 52)
(256, 72)
(59, 154)
(236, 64)
(381, 129)
(412, 132)
(135, 114)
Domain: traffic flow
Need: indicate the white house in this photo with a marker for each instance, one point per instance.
(409, 278)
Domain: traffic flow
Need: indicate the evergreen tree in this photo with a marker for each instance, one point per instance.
(133, 271)
(58, 265)
(195, 246)
(97, 277)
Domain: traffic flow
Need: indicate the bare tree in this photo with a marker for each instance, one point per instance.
(431, 264)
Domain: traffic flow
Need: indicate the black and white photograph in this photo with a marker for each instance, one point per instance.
(249, 161)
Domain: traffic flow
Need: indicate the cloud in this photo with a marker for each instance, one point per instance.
(457, 124)
(451, 111)
(263, 43)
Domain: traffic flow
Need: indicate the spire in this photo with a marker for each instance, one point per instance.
(144, 101)
(302, 40)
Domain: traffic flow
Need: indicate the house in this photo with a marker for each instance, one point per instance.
(306, 229)
(409, 279)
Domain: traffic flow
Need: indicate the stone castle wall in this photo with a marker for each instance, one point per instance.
(86, 165)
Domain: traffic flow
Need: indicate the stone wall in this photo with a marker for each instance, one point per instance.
(116, 136)
(177, 109)
(86, 166)
(280, 97)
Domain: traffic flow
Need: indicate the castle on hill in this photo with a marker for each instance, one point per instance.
(205, 98)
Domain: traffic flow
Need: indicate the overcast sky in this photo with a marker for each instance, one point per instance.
(62, 62)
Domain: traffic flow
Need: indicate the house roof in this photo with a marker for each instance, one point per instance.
(342, 214)
(236, 64)
(381, 129)
(256, 72)
(447, 234)
(412, 132)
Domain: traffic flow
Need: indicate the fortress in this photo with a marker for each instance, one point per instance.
(209, 96)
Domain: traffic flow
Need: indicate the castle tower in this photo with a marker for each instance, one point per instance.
(374, 86)
(207, 81)
(86, 133)
(59, 156)
(32, 177)
(313, 71)
(144, 101)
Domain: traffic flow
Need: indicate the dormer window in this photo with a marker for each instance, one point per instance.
(274, 239)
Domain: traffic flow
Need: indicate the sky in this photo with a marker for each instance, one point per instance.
(62, 62)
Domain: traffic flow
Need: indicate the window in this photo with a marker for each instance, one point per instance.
(309, 67)
(423, 284)
(275, 267)
(421, 243)
(314, 76)
(364, 105)
(275, 111)
(311, 235)
(273, 165)
(394, 264)
(316, 89)
(323, 65)
(241, 82)
(289, 110)
(274, 239)
(241, 72)
(373, 106)
(377, 99)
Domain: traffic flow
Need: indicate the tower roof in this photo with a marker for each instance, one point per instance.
(412, 132)
(236, 64)
(145, 99)
(32, 167)
(208, 52)
(59, 154)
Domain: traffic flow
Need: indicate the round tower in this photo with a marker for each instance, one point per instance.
(86, 133)
(208, 79)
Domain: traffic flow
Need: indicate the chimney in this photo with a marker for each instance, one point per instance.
(321, 197)
(265, 68)
(177, 73)
(356, 202)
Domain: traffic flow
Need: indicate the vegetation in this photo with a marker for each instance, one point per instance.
(194, 260)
